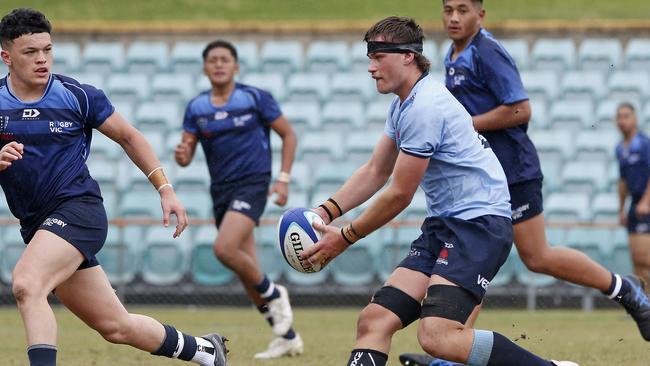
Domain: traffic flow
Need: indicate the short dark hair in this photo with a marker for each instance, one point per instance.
(220, 43)
(400, 30)
(22, 21)
(474, 1)
(627, 105)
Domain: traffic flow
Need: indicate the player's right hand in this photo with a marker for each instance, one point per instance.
(10, 152)
(182, 154)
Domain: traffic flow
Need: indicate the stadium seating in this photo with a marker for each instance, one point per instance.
(604, 208)
(395, 248)
(319, 147)
(589, 241)
(129, 87)
(198, 203)
(176, 88)
(356, 86)
(5, 213)
(567, 208)
(194, 177)
(66, 57)
(518, 49)
(270, 81)
(637, 54)
(585, 177)
(328, 57)
(103, 57)
(159, 117)
(11, 249)
(507, 271)
(341, 115)
(571, 116)
(205, 268)
(541, 84)
(185, 57)
(634, 85)
(140, 204)
(596, 145)
(554, 54)
(147, 57)
(268, 252)
(282, 56)
(600, 54)
(165, 260)
(119, 258)
(356, 266)
(583, 85)
(248, 56)
(308, 87)
(620, 260)
(303, 116)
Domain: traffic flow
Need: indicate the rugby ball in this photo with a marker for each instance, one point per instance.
(296, 235)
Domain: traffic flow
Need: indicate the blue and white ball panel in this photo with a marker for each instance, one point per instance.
(296, 234)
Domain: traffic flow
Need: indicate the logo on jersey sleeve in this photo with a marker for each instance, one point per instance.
(31, 113)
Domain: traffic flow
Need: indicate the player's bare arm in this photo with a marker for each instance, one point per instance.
(503, 116)
(622, 195)
(289, 142)
(184, 151)
(141, 153)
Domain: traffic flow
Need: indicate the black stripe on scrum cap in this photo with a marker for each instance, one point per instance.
(389, 47)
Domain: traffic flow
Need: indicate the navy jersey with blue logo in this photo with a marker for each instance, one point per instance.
(234, 136)
(634, 162)
(483, 77)
(56, 131)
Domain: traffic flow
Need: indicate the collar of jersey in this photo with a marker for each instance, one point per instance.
(47, 89)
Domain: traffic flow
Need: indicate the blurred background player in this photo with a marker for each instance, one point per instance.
(633, 154)
(429, 141)
(47, 123)
(484, 78)
(233, 122)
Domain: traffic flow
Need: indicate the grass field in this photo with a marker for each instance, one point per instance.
(424, 10)
(601, 338)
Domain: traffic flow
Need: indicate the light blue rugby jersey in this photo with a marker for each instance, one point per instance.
(464, 178)
(56, 131)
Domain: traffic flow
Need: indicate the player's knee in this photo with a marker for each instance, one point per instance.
(535, 262)
(370, 321)
(434, 336)
(224, 254)
(25, 288)
(114, 330)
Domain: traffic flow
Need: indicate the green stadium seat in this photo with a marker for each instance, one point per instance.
(11, 248)
(158, 116)
(596, 145)
(103, 57)
(320, 147)
(591, 241)
(584, 176)
(328, 56)
(308, 87)
(268, 252)
(205, 267)
(198, 203)
(248, 56)
(353, 86)
(644, 117)
(360, 145)
(600, 54)
(556, 144)
(620, 258)
(518, 49)
(194, 177)
(129, 87)
(164, 260)
(395, 248)
(637, 54)
(583, 85)
(282, 56)
(104, 147)
(342, 116)
(156, 138)
(3, 69)
(272, 82)
(604, 208)
(66, 57)
(558, 54)
(303, 116)
(147, 57)
(356, 266)
(541, 84)
(104, 171)
(567, 208)
(572, 116)
(176, 88)
(186, 58)
(634, 85)
(331, 176)
(143, 203)
(118, 258)
(377, 113)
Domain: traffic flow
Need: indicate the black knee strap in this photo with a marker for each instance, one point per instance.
(448, 302)
(399, 302)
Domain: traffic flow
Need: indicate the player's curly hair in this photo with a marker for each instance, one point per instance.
(402, 30)
(22, 21)
(220, 43)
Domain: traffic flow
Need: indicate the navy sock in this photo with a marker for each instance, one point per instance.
(290, 334)
(173, 341)
(618, 288)
(506, 353)
(42, 355)
(367, 357)
(267, 290)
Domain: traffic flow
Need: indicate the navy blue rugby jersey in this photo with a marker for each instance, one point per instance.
(235, 136)
(634, 163)
(56, 131)
(483, 77)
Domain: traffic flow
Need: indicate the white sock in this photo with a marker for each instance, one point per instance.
(205, 352)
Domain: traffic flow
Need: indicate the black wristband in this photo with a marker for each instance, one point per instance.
(345, 237)
(327, 211)
(356, 233)
(337, 205)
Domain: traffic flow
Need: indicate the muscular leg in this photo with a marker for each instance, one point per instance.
(47, 262)
(564, 263)
(640, 254)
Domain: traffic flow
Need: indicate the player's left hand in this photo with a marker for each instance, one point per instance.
(171, 204)
(282, 193)
(643, 208)
(330, 245)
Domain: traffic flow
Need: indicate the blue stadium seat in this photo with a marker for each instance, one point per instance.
(303, 116)
(572, 115)
(194, 177)
(356, 266)
(186, 57)
(156, 138)
(104, 171)
(11, 248)
(541, 84)
(140, 204)
(119, 258)
(97, 80)
(603, 54)
(270, 81)
(377, 113)
(360, 145)
(147, 57)
(330, 176)
(605, 208)
(165, 260)
(637, 54)
(130, 87)
(105, 147)
(197, 203)
(66, 57)
(308, 87)
(355, 86)
(282, 56)
(103, 57)
(268, 252)
(567, 208)
(343, 116)
(177, 88)
(158, 117)
(396, 245)
(584, 177)
(328, 56)
(620, 260)
(248, 57)
(583, 85)
(557, 54)
(553, 144)
(205, 267)
(633, 85)
(590, 241)
(596, 145)
(518, 49)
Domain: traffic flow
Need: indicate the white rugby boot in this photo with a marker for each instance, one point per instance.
(280, 311)
(280, 347)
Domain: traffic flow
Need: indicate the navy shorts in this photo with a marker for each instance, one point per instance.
(637, 224)
(526, 200)
(82, 222)
(466, 252)
(247, 196)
